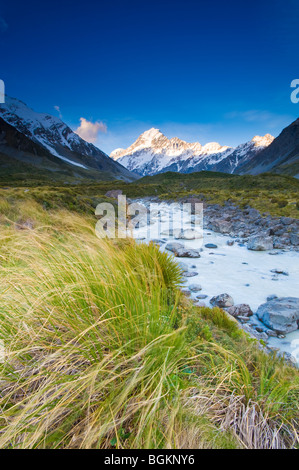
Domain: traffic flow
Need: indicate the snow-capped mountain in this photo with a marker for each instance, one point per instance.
(26, 135)
(154, 153)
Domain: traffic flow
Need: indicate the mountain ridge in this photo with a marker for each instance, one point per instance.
(153, 153)
(46, 142)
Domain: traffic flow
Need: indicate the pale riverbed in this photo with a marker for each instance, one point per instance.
(245, 275)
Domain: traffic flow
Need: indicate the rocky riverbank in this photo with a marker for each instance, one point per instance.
(260, 290)
(258, 231)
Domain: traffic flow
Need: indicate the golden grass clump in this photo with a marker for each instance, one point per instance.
(100, 351)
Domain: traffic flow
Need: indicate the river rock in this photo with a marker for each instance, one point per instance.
(272, 297)
(173, 246)
(211, 245)
(260, 243)
(186, 292)
(279, 271)
(222, 301)
(191, 274)
(195, 287)
(240, 310)
(186, 253)
(281, 314)
(294, 238)
(188, 234)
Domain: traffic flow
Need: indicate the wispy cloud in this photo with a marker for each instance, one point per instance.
(272, 120)
(58, 110)
(3, 25)
(89, 131)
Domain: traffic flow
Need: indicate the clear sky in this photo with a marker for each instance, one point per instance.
(201, 70)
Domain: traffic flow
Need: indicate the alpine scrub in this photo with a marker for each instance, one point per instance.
(102, 350)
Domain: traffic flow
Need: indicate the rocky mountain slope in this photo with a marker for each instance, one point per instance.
(282, 156)
(154, 153)
(47, 144)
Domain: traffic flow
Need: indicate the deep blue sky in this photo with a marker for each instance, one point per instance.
(201, 70)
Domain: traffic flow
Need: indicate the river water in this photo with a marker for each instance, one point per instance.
(244, 274)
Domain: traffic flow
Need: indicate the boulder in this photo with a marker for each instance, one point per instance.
(260, 243)
(279, 271)
(188, 234)
(240, 310)
(114, 193)
(222, 301)
(271, 297)
(222, 226)
(280, 314)
(191, 274)
(186, 292)
(173, 246)
(186, 253)
(294, 239)
(195, 287)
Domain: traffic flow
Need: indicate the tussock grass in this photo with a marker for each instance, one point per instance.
(102, 350)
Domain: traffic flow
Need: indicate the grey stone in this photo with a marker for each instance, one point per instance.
(173, 246)
(260, 243)
(242, 310)
(186, 253)
(195, 287)
(188, 234)
(294, 238)
(280, 314)
(279, 271)
(191, 274)
(222, 301)
(272, 297)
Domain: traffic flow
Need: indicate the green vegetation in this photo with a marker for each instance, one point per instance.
(269, 193)
(102, 350)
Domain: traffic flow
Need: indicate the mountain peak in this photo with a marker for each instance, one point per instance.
(262, 141)
(40, 137)
(150, 135)
(154, 153)
(213, 147)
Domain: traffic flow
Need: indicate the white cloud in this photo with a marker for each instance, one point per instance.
(58, 110)
(89, 131)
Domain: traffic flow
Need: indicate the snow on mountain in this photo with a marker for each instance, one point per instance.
(154, 153)
(55, 137)
(49, 131)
